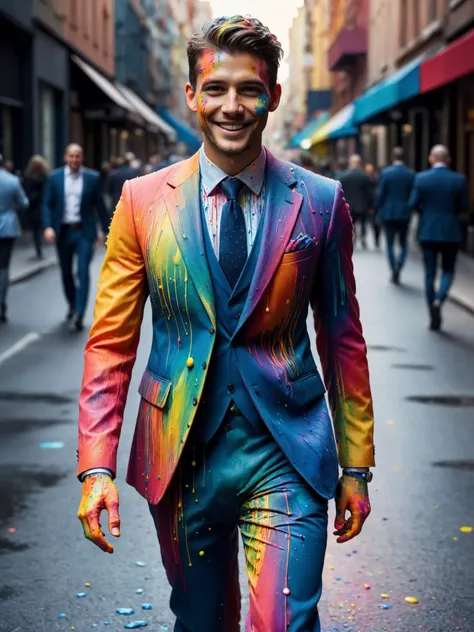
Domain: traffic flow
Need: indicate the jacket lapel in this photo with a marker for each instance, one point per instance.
(282, 206)
(184, 210)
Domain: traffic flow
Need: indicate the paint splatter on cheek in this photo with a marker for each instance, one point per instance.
(261, 106)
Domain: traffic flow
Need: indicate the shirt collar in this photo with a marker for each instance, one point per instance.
(67, 171)
(253, 175)
(398, 163)
(438, 165)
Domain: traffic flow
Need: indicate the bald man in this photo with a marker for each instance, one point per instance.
(441, 196)
(72, 204)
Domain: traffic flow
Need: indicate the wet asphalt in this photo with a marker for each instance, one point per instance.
(422, 493)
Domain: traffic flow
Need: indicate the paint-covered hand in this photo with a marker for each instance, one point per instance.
(352, 495)
(99, 493)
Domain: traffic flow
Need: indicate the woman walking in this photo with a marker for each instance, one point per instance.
(12, 198)
(34, 183)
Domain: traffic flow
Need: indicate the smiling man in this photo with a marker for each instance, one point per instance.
(232, 246)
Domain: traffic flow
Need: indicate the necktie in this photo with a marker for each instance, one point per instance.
(233, 233)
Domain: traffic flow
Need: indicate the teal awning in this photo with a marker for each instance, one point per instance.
(342, 125)
(401, 86)
(307, 132)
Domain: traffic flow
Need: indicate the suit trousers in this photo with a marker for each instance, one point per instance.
(242, 481)
(396, 228)
(431, 252)
(71, 242)
(6, 250)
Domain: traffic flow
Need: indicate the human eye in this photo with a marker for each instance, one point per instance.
(214, 88)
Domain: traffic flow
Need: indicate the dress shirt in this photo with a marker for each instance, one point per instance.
(73, 186)
(438, 165)
(251, 198)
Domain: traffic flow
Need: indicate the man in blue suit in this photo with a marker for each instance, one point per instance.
(395, 185)
(441, 196)
(72, 195)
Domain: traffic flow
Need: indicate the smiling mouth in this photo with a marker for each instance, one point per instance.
(232, 127)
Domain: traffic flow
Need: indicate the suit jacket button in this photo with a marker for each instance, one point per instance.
(212, 331)
(195, 401)
(231, 388)
(204, 365)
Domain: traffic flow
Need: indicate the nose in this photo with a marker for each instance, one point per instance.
(231, 104)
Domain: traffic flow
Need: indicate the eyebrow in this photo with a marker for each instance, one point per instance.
(245, 83)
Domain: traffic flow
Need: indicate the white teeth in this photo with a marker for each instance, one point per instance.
(232, 128)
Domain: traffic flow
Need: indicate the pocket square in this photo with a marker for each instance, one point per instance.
(300, 243)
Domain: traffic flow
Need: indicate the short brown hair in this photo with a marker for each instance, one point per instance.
(236, 34)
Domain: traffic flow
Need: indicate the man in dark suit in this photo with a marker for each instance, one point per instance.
(441, 196)
(359, 193)
(72, 194)
(117, 178)
(395, 185)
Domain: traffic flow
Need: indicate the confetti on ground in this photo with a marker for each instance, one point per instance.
(384, 596)
(367, 586)
(411, 599)
(51, 445)
(140, 564)
(125, 611)
(466, 529)
(87, 585)
(82, 594)
(331, 568)
(139, 591)
(338, 579)
(147, 606)
(133, 625)
(11, 530)
(62, 615)
(384, 606)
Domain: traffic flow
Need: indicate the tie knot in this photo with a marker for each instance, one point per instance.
(231, 188)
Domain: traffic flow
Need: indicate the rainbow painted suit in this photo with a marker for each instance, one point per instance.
(156, 248)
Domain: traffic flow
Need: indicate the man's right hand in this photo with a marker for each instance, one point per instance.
(99, 493)
(49, 235)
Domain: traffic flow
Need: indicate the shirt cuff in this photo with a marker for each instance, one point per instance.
(96, 470)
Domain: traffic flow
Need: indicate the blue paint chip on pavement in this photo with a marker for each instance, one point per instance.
(384, 606)
(125, 611)
(51, 445)
(139, 591)
(147, 606)
(81, 595)
(133, 625)
(62, 615)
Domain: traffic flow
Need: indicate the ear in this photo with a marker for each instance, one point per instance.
(191, 97)
(275, 97)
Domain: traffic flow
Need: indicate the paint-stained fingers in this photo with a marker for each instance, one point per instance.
(341, 508)
(90, 520)
(112, 506)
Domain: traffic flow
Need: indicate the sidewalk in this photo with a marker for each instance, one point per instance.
(25, 264)
(462, 292)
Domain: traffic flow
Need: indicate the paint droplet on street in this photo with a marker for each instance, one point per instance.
(384, 606)
(133, 625)
(139, 591)
(125, 611)
(81, 594)
(366, 586)
(51, 445)
(147, 606)
(62, 615)
(87, 585)
(384, 596)
(141, 564)
(390, 422)
(11, 530)
(411, 599)
(466, 529)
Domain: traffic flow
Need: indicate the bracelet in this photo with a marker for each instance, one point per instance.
(362, 476)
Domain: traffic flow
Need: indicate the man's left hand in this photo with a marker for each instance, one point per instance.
(352, 495)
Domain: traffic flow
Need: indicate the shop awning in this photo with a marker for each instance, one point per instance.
(453, 62)
(401, 86)
(106, 86)
(341, 125)
(298, 140)
(153, 120)
(185, 133)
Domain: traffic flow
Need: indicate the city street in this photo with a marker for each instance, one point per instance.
(416, 542)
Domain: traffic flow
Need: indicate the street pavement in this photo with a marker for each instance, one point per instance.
(413, 544)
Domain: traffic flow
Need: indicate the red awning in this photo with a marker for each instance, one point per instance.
(455, 61)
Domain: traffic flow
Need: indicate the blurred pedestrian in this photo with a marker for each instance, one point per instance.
(373, 216)
(116, 180)
(9, 166)
(158, 162)
(34, 182)
(12, 198)
(307, 162)
(359, 193)
(341, 167)
(72, 195)
(441, 196)
(393, 210)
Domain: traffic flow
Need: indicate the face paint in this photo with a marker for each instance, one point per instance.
(261, 107)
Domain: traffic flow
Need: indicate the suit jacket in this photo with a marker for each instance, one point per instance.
(395, 185)
(441, 196)
(12, 198)
(92, 200)
(156, 247)
(116, 180)
(358, 191)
